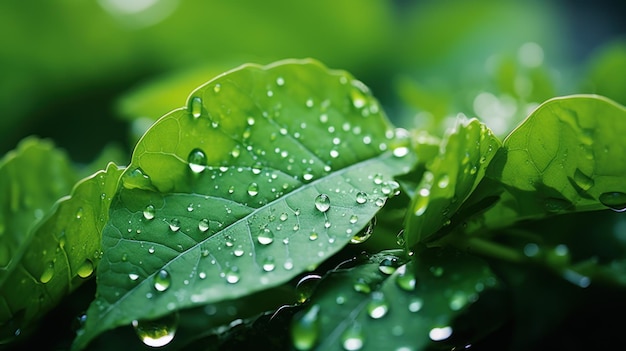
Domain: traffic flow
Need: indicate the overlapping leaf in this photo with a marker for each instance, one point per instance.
(58, 253)
(265, 174)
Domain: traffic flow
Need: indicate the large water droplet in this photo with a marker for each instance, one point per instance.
(253, 189)
(265, 237)
(582, 180)
(197, 160)
(158, 332)
(162, 280)
(47, 273)
(377, 307)
(85, 270)
(195, 107)
(203, 225)
(322, 202)
(305, 287)
(439, 334)
(174, 224)
(305, 330)
(615, 200)
(148, 212)
(361, 197)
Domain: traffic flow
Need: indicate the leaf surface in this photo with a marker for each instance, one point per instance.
(268, 171)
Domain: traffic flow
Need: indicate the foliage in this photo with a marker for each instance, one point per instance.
(292, 206)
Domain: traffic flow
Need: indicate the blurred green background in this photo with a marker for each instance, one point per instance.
(91, 73)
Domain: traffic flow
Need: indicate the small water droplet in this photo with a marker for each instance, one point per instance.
(238, 252)
(283, 216)
(197, 161)
(361, 286)
(85, 270)
(269, 264)
(79, 213)
(306, 286)
(401, 151)
(354, 219)
(614, 200)
(162, 280)
(265, 237)
(415, 304)
(352, 339)
(444, 180)
(439, 334)
(388, 265)
(288, 265)
(322, 202)
(313, 236)
(406, 280)
(305, 330)
(280, 81)
(203, 225)
(195, 106)
(377, 307)
(174, 224)
(334, 153)
(361, 197)
(232, 275)
(378, 178)
(47, 273)
(148, 212)
(253, 189)
(421, 201)
(158, 332)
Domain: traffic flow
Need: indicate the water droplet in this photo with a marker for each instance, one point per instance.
(79, 213)
(305, 330)
(197, 161)
(158, 332)
(401, 151)
(354, 219)
(283, 216)
(85, 270)
(133, 276)
(253, 189)
(313, 236)
(421, 201)
(322, 202)
(238, 252)
(352, 338)
(269, 264)
(232, 275)
(148, 212)
(288, 265)
(280, 81)
(203, 225)
(47, 273)
(265, 237)
(415, 304)
(378, 178)
(162, 280)
(615, 200)
(174, 224)
(458, 300)
(361, 286)
(444, 180)
(388, 265)
(439, 334)
(361, 236)
(361, 197)
(195, 106)
(406, 280)
(306, 286)
(377, 307)
(582, 180)
(334, 153)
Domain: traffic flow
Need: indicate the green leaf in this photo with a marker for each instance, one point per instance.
(388, 305)
(567, 156)
(450, 179)
(57, 255)
(268, 172)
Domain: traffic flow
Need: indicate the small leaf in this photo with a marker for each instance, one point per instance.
(450, 179)
(388, 304)
(567, 156)
(57, 255)
(262, 177)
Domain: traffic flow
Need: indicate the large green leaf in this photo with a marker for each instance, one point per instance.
(567, 156)
(450, 179)
(57, 255)
(268, 172)
(388, 305)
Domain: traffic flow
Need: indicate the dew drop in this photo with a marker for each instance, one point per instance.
(203, 225)
(158, 332)
(378, 178)
(377, 307)
(47, 273)
(615, 200)
(352, 338)
(406, 280)
(85, 270)
(238, 252)
(217, 88)
(197, 161)
(79, 213)
(322, 202)
(148, 212)
(439, 334)
(269, 264)
(232, 275)
(354, 219)
(361, 197)
(313, 236)
(306, 286)
(174, 224)
(388, 265)
(283, 216)
(195, 106)
(253, 189)
(265, 237)
(162, 280)
(401, 151)
(305, 330)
